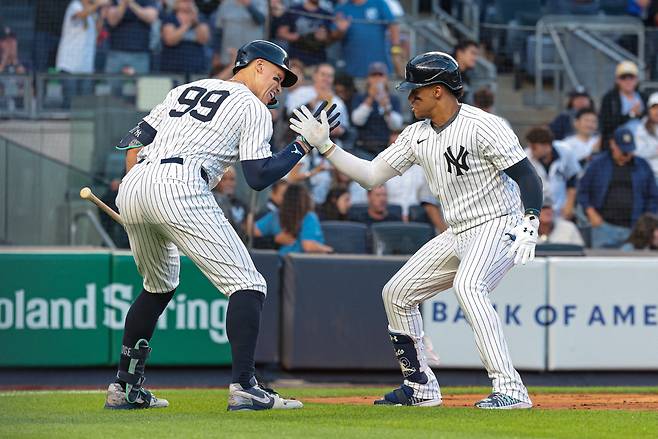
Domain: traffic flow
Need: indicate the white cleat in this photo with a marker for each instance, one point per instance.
(258, 398)
(116, 399)
(500, 401)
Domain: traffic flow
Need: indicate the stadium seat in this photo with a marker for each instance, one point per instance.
(345, 236)
(559, 250)
(398, 238)
(586, 233)
(357, 210)
(417, 214)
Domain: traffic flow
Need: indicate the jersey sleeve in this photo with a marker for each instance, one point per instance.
(158, 114)
(256, 132)
(399, 155)
(499, 143)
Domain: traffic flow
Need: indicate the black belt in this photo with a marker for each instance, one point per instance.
(179, 161)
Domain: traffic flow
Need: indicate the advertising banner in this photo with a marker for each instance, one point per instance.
(191, 330)
(52, 309)
(603, 314)
(519, 300)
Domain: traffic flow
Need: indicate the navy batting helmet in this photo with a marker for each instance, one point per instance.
(269, 52)
(432, 68)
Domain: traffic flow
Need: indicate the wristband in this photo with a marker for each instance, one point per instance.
(396, 50)
(531, 211)
(304, 144)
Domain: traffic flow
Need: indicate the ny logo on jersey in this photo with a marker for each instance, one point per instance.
(458, 162)
(296, 151)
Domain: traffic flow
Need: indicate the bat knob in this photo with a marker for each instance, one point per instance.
(85, 192)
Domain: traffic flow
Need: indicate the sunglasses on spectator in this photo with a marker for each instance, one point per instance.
(626, 76)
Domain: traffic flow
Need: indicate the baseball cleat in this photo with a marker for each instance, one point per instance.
(404, 395)
(258, 398)
(116, 399)
(500, 401)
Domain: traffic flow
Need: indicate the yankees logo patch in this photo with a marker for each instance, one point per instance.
(296, 151)
(458, 162)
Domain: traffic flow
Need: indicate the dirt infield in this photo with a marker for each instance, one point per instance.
(574, 401)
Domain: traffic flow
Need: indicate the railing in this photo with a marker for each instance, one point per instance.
(464, 18)
(38, 197)
(571, 34)
(16, 95)
(93, 220)
(54, 95)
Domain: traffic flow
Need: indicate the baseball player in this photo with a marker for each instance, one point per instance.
(175, 156)
(491, 198)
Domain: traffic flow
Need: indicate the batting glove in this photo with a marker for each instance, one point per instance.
(524, 239)
(314, 132)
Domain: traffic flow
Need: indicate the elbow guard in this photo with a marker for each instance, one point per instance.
(141, 135)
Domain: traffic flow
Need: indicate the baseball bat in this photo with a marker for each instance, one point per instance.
(87, 194)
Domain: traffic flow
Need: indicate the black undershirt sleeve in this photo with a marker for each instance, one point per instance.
(524, 174)
(263, 172)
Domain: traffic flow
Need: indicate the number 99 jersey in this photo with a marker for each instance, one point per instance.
(211, 124)
(198, 131)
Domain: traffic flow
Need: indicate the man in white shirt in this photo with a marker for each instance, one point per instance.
(77, 45)
(555, 230)
(321, 90)
(585, 141)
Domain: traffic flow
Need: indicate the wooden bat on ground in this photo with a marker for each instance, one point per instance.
(87, 194)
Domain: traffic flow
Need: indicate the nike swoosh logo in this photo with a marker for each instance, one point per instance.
(420, 141)
(265, 400)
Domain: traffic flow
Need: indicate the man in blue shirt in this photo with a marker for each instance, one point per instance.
(362, 26)
(306, 29)
(130, 30)
(616, 190)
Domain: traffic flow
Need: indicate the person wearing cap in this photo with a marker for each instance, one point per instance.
(623, 104)
(616, 190)
(646, 135)
(555, 230)
(562, 125)
(376, 113)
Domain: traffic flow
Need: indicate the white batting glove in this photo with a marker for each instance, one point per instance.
(316, 133)
(524, 239)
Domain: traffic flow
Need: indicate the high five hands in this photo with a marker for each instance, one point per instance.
(314, 128)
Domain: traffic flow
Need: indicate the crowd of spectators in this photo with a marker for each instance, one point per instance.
(599, 166)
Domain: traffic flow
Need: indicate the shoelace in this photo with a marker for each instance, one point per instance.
(269, 390)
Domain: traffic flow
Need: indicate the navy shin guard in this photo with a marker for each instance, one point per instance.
(407, 356)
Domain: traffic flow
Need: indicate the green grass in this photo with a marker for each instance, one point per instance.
(202, 413)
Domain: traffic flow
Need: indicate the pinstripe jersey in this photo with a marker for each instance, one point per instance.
(463, 163)
(210, 123)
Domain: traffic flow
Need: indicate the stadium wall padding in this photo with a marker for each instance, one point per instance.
(65, 307)
(333, 316)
